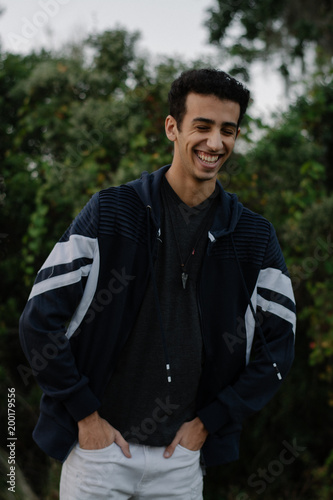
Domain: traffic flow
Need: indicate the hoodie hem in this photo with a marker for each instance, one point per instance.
(54, 439)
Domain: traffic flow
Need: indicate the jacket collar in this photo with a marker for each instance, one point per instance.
(227, 214)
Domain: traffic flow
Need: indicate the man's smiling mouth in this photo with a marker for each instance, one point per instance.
(208, 158)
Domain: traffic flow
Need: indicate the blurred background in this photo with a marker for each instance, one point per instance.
(83, 98)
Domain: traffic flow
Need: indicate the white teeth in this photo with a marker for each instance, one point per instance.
(208, 159)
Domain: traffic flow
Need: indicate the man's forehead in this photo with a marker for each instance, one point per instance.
(210, 107)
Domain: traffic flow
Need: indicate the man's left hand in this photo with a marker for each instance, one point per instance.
(191, 435)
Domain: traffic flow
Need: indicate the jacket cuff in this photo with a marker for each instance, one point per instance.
(82, 403)
(214, 416)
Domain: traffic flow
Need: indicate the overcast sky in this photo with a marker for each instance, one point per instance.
(171, 27)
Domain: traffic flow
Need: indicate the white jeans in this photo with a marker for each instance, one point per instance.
(107, 474)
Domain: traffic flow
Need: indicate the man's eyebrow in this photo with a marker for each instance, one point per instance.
(212, 122)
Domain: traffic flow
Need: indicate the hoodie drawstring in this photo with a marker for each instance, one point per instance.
(256, 319)
(157, 302)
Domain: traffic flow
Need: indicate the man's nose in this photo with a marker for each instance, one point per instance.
(214, 141)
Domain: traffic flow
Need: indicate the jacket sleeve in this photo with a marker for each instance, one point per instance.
(61, 295)
(274, 302)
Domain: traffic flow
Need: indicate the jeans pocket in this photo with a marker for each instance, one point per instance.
(97, 456)
(98, 450)
(186, 450)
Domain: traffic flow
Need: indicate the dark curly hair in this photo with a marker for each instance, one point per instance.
(208, 82)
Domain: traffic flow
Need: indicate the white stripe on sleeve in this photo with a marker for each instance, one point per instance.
(59, 281)
(278, 310)
(274, 280)
(88, 295)
(76, 247)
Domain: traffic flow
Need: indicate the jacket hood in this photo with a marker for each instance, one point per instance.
(226, 218)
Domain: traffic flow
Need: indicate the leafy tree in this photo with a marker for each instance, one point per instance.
(250, 30)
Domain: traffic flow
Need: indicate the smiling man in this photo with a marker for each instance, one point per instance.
(165, 284)
(204, 140)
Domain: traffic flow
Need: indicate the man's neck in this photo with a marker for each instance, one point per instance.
(191, 193)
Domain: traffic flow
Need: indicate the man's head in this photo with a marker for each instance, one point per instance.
(206, 82)
(206, 108)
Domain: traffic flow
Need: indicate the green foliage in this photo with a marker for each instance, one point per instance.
(253, 30)
(114, 57)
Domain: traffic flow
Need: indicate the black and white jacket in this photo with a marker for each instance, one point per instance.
(87, 295)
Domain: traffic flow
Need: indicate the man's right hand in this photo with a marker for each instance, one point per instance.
(96, 433)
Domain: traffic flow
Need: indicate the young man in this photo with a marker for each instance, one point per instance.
(164, 283)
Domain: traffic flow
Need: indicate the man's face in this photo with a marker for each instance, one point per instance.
(206, 137)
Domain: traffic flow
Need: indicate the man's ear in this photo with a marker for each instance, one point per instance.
(238, 132)
(171, 128)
